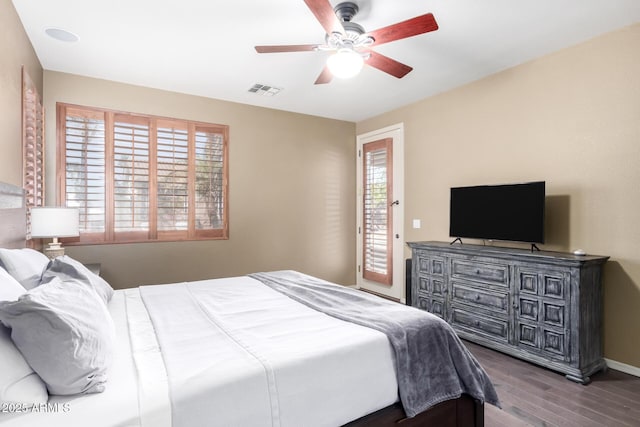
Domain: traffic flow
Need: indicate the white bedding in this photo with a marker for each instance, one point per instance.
(97, 409)
(234, 353)
(239, 353)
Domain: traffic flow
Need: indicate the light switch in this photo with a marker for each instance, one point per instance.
(416, 223)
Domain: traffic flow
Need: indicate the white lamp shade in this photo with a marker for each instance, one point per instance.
(345, 63)
(54, 222)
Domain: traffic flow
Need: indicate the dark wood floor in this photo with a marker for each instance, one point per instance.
(535, 396)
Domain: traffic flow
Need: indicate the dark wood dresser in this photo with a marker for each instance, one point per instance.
(543, 307)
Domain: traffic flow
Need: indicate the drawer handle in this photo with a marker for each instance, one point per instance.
(477, 271)
(477, 297)
(477, 322)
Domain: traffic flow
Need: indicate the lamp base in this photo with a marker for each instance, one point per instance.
(53, 251)
(55, 244)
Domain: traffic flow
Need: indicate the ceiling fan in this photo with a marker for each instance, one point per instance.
(352, 44)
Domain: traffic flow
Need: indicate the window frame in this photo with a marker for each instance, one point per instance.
(109, 235)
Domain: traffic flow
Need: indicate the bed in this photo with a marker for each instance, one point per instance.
(243, 352)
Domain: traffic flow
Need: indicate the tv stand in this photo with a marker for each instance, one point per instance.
(457, 239)
(543, 307)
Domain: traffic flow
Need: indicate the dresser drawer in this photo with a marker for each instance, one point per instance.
(495, 301)
(551, 283)
(430, 264)
(432, 305)
(550, 342)
(549, 312)
(496, 274)
(432, 285)
(498, 329)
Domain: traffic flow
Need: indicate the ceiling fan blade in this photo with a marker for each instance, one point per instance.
(388, 65)
(325, 15)
(287, 48)
(324, 77)
(409, 28)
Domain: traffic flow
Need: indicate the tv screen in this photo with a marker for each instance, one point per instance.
(513, 212)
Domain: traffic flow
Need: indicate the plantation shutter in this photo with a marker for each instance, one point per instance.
(377, 215)
(32, 147)
(173, 177)
(138, 178)
(85, 168)
(210, 185)
(131, 177)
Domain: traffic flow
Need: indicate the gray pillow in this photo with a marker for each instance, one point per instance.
(25, 265)
(18, 382)
(67, 268)
(66, 334)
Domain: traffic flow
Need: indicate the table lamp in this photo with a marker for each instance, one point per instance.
(54, 222)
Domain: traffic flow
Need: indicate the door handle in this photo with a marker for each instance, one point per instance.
(396, 202)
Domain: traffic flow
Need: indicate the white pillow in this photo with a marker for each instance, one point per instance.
(10, 289)
(25, 265)
(18, 382)
(65, 333)
(66, 268)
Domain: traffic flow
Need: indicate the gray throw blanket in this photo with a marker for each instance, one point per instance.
(432, 364)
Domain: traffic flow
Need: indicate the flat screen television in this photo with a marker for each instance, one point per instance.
(512, 212)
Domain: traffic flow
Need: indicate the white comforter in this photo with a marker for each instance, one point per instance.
(234, 353)
(238, 353)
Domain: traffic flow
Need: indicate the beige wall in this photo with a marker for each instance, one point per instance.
(15, 51)
(572, 119)
(291, 189)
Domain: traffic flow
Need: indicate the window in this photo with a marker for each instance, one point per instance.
(138, 178)
(32, 147)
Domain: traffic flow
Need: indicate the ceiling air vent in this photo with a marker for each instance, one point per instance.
(265, 90)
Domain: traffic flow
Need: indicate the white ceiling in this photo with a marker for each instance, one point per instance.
(205, 47)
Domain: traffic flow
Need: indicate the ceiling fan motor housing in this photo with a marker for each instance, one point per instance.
(346, 10)
(352, 29)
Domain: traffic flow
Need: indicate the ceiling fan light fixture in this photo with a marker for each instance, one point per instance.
(345, 63)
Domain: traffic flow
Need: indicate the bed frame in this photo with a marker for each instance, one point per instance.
(461, 412)
(13, 217)
(464, 411)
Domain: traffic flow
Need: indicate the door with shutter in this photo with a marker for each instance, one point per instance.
(377, 215)
(380, 212)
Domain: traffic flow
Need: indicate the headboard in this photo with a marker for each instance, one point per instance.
(13, 217)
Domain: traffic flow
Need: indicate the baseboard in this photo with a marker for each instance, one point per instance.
(378, 294)
(623, 367)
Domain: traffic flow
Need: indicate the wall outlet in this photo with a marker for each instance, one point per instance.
(416, 223)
